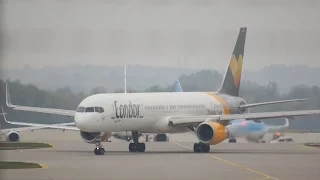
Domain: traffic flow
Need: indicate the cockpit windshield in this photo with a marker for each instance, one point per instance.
(90, 109)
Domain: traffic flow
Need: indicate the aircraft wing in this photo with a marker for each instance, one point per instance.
(4, 131)
(63, 112)
(272, 102)
(190, 120)
(65, 126)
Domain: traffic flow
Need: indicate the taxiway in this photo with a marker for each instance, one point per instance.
(74, 159)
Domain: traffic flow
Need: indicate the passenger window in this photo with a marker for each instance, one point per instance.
(80, 109)
(89, 109)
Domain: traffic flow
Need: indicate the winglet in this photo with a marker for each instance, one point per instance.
(4, 115)
(286, 124)
(177, 86)
(8, 100)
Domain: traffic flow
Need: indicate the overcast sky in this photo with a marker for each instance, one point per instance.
(191, 33)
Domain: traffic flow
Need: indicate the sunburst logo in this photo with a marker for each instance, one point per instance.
(236, 67)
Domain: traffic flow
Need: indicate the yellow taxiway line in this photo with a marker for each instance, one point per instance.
(265, 176)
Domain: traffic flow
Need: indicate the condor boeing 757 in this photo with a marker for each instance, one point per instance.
(97, 116)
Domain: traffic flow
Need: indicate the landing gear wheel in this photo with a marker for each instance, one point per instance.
(198, 147)
(141, 147)
(232, 140)
(99, 151)
(137, 147)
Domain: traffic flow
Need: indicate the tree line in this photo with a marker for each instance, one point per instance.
(65, 98)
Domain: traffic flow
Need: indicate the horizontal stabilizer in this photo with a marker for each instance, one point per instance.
(272, 102)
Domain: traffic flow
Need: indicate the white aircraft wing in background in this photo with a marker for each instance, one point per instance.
(190, 120)
(63, 112)
(63, 126)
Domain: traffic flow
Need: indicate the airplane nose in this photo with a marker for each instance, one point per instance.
(87, 122)
(81, 121)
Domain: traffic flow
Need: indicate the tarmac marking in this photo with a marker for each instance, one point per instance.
(308, 147)
(232, 163)
(53, 146)
(43, 166)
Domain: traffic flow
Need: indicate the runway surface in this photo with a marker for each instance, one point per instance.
(74, 159)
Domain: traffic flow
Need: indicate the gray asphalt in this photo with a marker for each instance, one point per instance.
(74, 159)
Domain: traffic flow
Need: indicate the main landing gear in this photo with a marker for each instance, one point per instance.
(232, 140)
(99, 150)
(200, 147)
(136, 146)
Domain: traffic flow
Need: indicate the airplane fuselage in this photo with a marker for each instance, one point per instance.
(148, 112)
(249, 129)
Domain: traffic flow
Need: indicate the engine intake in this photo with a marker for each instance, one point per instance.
(161, 138)
(94, 137)
(212, 133)
(13, 136)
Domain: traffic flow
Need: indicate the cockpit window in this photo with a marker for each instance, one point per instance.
(89, 109)
(80, 109)
(98, 109)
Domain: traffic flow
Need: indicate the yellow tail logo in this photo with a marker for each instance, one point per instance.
(236, 67)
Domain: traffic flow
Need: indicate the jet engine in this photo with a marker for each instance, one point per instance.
(94, 137)
(13, 136)
(211, 133)
(160, 137)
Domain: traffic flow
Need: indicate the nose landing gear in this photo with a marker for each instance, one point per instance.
(99, 150)
(136, 146)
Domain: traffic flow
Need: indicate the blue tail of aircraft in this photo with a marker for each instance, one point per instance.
(177, 86)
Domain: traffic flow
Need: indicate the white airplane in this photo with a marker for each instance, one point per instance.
(13, 135)
(166, 112)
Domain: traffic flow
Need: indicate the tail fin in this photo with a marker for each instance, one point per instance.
(177, 86)
(231, 81)
(277, 128)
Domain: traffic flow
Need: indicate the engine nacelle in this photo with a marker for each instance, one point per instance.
(212, 133)
(13, 136)
(161, 138)
(94, 137)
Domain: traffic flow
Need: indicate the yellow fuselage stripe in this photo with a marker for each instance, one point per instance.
(221, 100)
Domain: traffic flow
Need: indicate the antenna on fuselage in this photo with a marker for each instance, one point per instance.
(125, 78)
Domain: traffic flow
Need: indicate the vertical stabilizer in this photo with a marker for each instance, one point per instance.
(177, 86)
(231, 81)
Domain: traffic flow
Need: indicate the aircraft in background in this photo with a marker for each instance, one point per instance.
(166, 112)
(13, 135)
(251, 130)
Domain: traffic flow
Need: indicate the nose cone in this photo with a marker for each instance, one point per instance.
(84, 122)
